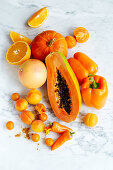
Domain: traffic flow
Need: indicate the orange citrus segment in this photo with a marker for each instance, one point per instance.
(81, 34)
(18, 53)
(18, 37)
(38, 18)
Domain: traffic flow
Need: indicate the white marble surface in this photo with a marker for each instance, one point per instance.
(90, 148)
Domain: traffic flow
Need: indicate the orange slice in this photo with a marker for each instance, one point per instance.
(81, 34)
(38, 18)
(18, 37)
(18, 53)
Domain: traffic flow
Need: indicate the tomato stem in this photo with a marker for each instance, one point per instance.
(72, 133)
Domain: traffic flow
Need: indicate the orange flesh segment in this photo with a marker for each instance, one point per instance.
(81, 34)
(38, 18)
(18, 37)
(17, 52)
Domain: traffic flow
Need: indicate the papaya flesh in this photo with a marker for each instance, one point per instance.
(63, 88)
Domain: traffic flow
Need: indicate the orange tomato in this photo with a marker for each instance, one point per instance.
(71, 42)
(49, 141)
(10, 125)
(43, 117)
(21, 104)
(15, 96)
(35, 137)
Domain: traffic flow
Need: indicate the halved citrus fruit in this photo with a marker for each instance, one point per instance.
(38, 18)
(18, 37)
(81, 34)
(18, 53)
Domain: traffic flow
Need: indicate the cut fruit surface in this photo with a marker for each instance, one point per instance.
(18, 53)
(18, 37)
(81, 34)
(38, 18)
(63, 88)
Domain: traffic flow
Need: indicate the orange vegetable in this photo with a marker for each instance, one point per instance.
(38, 18)
(27, 117)
(62, 139)
(21, 104)
(71, 42)
(40, 108)
(18, 53)
(94, 91)
(38, 126)
(46, 42)
(58, 128)
(35, 137)
(47, 129)
(81, 34)
(10, 125)
(90, 119)
(18, 37)
(82, 66)
(49, 141)
(15, 96)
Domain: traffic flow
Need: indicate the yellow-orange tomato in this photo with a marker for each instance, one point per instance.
(40, 108)
(43, 117)
(10, 125)
(37, 126)
(90, 119)
(71, 42)
(21, 104)
(35, 137)
(34, 96)
(27, 117)
(49, 141)
(15, 96)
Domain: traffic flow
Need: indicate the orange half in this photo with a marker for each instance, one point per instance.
(18, 53)
(18, 37)
(38, 18)
(81, 34)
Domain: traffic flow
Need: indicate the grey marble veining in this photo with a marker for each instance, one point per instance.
(91, 148)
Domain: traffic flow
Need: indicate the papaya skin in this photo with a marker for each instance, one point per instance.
(54, 61)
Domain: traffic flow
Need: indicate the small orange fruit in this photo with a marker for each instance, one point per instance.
(37, 126)
(38, 18)
(81, 34)
(27, 117)
(18, 53)
(18, 37)
(90, 119)
(40, 108)
(21, 104)
(10, 125)
(49, 141)
(35, 137)
(71, 42)
(15, 96)
(43, 117)
(34, 96)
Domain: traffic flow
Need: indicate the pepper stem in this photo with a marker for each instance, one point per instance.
(89, 75)
(51, 124)
(93, 85)
(72, 133)
(50, 42)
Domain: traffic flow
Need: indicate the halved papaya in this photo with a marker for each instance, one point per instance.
(63, 88)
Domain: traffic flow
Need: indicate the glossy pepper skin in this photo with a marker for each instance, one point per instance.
(94, 91)
(58, 128)
(65, 136)
(82, 66)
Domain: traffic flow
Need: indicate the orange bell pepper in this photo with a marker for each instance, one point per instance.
(94, 91)
(82, 66)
